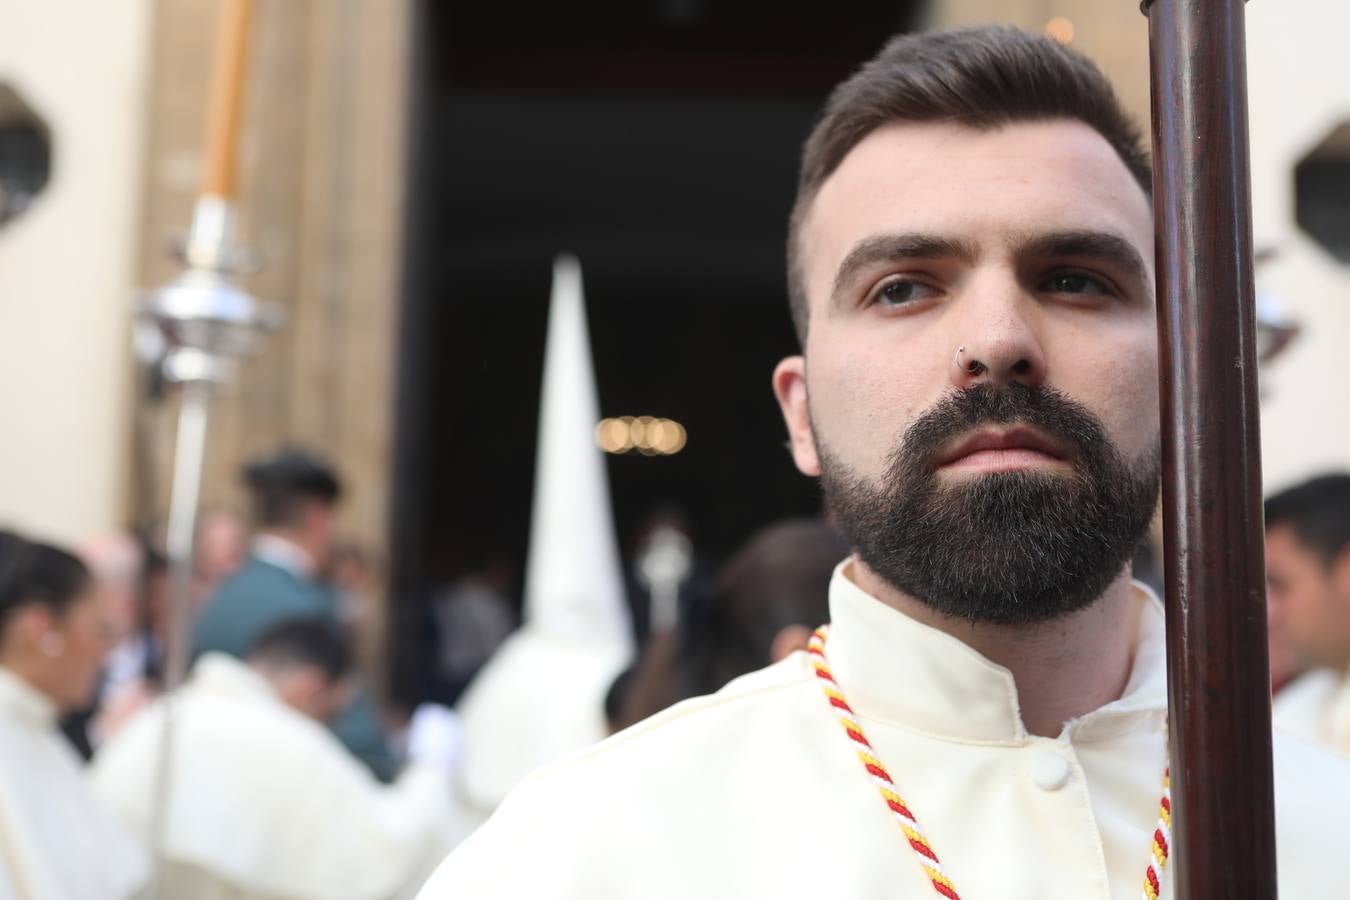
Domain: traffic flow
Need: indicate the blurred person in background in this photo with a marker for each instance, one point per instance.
(55, 841)
(356, 574)
(265, 802)
(219, 550)
(1287, 665)
(116, 561)
(471, 618)
(294, 497)
(769, 597)
(116, 564)
(668, 578)
(1308, 585)
(133, 575)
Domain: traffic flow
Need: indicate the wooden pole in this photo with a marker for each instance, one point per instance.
(224, 108)
(1223, 821)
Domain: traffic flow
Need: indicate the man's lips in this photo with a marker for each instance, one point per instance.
(993, 449)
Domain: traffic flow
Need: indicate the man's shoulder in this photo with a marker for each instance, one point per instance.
(1308, 771)
(752, 708)
(1302, 703)
(1312, 815)
(1312, 785)
(252, 600)
(256, 573)
(674, 766)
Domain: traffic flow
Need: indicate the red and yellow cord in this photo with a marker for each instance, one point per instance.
(909, 825)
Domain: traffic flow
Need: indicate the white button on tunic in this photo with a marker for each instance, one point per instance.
(1050, 770)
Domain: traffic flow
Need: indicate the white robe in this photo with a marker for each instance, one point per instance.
(1316, 708)
(265, 802)
(756, 791)
(540, 698)
(55, 842)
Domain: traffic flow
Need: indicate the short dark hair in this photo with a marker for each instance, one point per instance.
(281, 484)
(1318, 511)
(303, 642)
(37, 573)
(984, 77)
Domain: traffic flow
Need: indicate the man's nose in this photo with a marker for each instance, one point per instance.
(996, 337)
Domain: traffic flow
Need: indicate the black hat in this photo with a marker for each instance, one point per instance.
(282, 481)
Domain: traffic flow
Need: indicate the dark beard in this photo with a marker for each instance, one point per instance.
(1004, 547)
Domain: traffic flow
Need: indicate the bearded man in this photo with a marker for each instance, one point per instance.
(971, 275)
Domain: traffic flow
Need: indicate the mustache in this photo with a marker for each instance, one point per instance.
(1061, 418)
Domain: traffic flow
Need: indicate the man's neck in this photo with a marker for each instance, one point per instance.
(1064, 668)
(286, 549)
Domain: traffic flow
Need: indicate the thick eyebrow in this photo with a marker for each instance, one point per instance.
(886, 248)
(1103, 246)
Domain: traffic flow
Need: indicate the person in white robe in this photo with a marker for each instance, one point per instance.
(56, 843)
(1308, 586)
(264, 802)
(971, 280)
(541, 695)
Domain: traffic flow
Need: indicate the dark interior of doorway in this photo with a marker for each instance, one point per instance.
(658, 142)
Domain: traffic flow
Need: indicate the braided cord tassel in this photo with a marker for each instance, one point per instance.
(909, 826)
(1162, 840)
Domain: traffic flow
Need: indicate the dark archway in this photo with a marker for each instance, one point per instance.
(658, 142)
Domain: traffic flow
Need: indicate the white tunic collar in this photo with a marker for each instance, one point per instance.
(224, 675)
(897, 670)
(284, 554)
(20, 699)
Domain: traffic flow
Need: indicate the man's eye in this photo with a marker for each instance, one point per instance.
(899, 293)
(1075, 283)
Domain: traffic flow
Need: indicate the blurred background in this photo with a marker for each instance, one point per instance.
(410, 169)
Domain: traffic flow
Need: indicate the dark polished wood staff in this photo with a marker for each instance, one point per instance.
(1223, 819)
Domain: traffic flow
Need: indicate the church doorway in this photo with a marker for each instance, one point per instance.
(656, 141)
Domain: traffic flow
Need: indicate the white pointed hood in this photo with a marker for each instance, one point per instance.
(573, 580)
(541, 696)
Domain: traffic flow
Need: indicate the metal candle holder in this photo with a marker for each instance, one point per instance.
(209, 323)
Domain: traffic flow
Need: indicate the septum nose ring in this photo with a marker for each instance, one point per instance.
(974, 367)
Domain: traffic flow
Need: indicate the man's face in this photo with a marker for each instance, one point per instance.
(308, 690)
(320, 519)
(1029, 246)
(1309, 601)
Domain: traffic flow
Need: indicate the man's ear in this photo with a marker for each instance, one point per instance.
(31, 621)
(789, 386)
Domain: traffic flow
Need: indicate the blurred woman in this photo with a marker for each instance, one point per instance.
(55, 844)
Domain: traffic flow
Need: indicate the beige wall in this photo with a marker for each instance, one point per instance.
(1298, 92)
(66, 266)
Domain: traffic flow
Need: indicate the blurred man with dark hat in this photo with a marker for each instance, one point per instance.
(294, 500)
